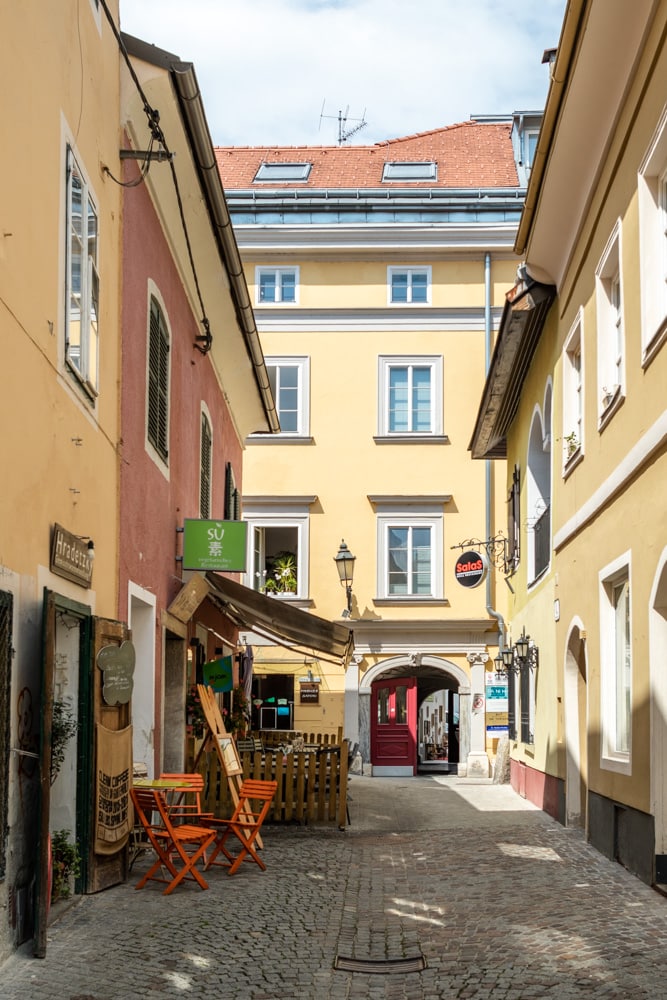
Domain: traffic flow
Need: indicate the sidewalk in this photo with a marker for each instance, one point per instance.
(497, 900)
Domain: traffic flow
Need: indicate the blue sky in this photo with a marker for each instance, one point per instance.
(279, 72)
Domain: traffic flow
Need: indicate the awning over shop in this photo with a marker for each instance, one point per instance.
(269, 617)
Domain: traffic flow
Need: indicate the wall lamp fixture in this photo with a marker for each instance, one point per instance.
(345, 564)
(515, 659)
(91, 545)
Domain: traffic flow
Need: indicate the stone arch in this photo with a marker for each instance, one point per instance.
(419, 665)
(576, 725)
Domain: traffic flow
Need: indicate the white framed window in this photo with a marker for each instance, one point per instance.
(290, 384)
(573, 395)
(410, 171)
(409, 285)
(278, 546)
(409, 550)
(277, 284)
(616, 665)
(652, 198)
(82, 279)
(205, 466)
(610, 332)
(157, 377)
(410, 395)
(282, 172)
(538, 492)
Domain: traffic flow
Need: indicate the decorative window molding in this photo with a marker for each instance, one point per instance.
(282, 172)
(610, 331)
(278, 546)
(158, 381)
(616, 665)
(573, 396)
(276, 285)
(409, 285)
(82, 282)
(407, 170)
(410, 402)
(410, 546)
(652, 199)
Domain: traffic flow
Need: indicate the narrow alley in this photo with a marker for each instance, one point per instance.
(440, 887)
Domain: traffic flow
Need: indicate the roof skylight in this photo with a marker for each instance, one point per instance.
(410, 171)
(283, 172)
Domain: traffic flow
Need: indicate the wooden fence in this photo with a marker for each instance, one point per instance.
(312, 786)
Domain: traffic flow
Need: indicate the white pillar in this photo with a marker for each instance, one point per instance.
(478, 759)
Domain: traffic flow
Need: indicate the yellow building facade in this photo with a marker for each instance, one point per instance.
(587, 437)
(377, 276)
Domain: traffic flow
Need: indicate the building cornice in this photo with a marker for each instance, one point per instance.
(373, 320)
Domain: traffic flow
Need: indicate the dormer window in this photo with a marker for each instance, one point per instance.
(410, 171)
(283, 172)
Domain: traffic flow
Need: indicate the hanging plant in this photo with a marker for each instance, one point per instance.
(63, 727)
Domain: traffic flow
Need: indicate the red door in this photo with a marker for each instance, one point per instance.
(394, 726)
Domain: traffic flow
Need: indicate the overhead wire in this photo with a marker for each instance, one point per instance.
(158, 136)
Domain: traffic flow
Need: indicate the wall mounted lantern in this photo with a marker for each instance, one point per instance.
(345, 564)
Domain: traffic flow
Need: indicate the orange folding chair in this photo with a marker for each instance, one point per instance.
(254, 802)
(180, 845)
(184, 799)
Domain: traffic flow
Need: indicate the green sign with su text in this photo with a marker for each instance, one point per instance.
(217, 545)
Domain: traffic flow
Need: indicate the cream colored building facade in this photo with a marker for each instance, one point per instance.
(377, 276)
(588, 437)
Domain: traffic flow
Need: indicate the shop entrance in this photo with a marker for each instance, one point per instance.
(394, 726)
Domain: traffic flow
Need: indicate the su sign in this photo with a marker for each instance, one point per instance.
(471, 568)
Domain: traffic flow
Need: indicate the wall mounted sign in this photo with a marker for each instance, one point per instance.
(309, 694)
(471, 568)
(216, 545)
(117, 666)
(218, 674)
(70, 557)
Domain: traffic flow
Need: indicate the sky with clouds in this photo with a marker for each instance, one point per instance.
(282, 72)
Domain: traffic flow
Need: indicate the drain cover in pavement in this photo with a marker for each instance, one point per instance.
(385, 966)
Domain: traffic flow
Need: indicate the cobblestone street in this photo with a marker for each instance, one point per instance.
(494, 897)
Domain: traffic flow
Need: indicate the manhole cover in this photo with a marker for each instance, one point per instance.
(383, 966)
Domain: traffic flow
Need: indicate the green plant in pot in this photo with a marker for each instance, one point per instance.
(281, 576)
(66, 864)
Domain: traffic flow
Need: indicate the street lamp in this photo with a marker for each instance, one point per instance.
(345, 564)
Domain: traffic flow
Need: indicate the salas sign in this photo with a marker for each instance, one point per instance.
(471, 568)
(217, 545)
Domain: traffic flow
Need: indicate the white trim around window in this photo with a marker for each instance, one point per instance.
(276, 286)
(277, 526)
(409, 286)
(410, 396)
(610, 328)
(410, 538)
(573, 395)
(616, 665)
(652, 198)
(290, 383)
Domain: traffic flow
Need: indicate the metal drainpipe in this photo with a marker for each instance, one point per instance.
(487, 329)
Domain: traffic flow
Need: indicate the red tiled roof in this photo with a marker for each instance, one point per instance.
(469, 155)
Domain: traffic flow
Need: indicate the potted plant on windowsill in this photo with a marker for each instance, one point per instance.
(281, 576)
(572, 445)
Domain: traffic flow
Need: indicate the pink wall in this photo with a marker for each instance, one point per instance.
(151, 506)
(539, 788)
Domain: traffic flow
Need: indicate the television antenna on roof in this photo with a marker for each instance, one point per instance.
(344, 132)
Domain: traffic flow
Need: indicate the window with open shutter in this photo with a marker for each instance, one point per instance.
(158, 382)
(205, 468)
(232, 495)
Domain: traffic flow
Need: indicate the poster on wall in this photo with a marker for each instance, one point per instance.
(496, 709)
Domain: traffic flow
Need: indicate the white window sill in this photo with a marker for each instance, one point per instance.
(572, 462)
(279, 439)
(411, 439)
(621, 764)
(410, 599)
(611, 407)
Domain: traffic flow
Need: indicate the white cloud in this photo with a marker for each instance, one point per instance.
(267, 67)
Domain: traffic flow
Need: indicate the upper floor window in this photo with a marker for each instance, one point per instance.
(514, 523)
(278, 545)
(409, 549)
(410, 397)
(409, 285)
(652, 192)
(616, 665)
(82, 279)
(538, 490)
(205, 467)
(157, 418)
(573, 395)
(232, 510)
(610, 333)
(283, 172)
(410, 171)
(277, 284)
